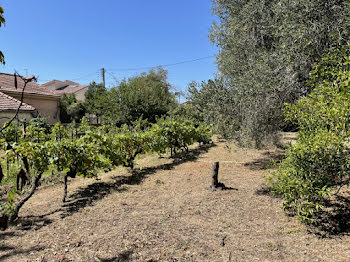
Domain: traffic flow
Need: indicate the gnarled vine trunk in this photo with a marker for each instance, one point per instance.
(35, 184)
(71, 173)
(4, 221)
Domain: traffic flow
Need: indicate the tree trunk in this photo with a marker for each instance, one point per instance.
(22, 179)
(22, 202)
(26, 164)
(71, 173)
(65, 187)
(214, 175)
(17, 179)
(1, 174)
(215, 184)
(4, 221)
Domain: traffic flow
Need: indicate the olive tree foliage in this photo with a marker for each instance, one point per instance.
(266, 51)
(187, 111)
(211, 103)
(2, 22)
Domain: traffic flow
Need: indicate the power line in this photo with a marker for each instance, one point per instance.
(113, 76)
(74, 79)
(136, 69)
(86, 76)
(165, 65)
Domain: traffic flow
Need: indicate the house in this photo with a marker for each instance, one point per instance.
(38, 100)
(9, 107)
(67, 87)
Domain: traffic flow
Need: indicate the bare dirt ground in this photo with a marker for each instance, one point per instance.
(164, 211)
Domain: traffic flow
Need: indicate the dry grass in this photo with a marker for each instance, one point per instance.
(166, 212)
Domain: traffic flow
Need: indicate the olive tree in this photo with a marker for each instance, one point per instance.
(266, 51)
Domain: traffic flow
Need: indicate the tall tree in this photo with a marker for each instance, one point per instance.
(213, 101)
(95, 99)
(2, 22)
(267, 49)
(71, 109)
(145, 96)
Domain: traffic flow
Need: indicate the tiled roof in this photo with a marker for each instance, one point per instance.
(64, 87)
(70, 90)
(7, 84)
(8, 103)
(55, 84)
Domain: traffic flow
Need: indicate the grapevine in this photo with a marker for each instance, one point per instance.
(84, 151)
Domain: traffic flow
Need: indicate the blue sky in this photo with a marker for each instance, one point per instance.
(73, 39)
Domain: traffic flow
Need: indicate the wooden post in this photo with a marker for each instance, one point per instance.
(214, 175)
(215, 184)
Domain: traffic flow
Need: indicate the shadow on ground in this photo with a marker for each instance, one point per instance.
(268, 161)
(334, 219)
(87, 196)
(122, 257)
(33, 222)
(265, 190)
(12, 251)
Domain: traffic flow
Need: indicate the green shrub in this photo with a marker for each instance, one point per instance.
(320, 160)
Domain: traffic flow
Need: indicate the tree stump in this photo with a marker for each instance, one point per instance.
(215, 174)
(215, 184)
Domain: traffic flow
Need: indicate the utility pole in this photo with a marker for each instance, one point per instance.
(103, 77)
(179, 94)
